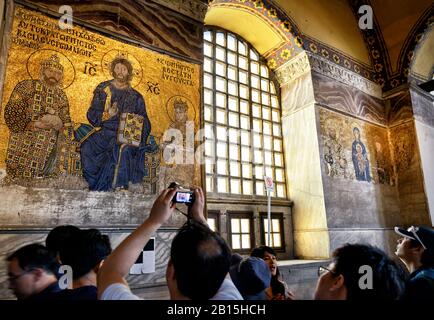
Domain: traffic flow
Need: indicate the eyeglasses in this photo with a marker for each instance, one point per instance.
(414, 230)
(13, 277)
(322, 270)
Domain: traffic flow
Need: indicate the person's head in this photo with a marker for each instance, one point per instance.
(57, 238)
(52, 71)
(356, 133)
(31, 269)
(121, 70)
(269, 256)
(84, 252)
(360, 272)
(180, 110)
(251, 276)
(199, 262)
(416, 246)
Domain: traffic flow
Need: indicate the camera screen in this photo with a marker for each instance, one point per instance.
(183, 197)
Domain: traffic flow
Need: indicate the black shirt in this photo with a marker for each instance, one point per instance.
(420, 285)
(82, 293)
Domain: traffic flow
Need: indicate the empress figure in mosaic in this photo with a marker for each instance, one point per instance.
(113, 153)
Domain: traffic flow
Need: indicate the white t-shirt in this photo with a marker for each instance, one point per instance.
(119, 291)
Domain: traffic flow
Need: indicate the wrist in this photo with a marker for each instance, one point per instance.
(152, 223)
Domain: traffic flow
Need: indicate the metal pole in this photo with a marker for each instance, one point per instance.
(269, 218)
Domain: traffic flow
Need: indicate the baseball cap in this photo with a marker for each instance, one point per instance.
(423, 235)
(251, 276)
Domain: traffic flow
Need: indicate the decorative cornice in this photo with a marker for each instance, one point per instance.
(195, 9)
(293, 69)
(345, 76)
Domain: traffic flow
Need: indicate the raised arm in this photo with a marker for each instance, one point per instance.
(196, 210)
(118, 264)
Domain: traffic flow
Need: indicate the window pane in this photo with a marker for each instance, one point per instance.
(278, 161)
(276, 117)
(222, 149)
(209, 184)
(268, 158)
(253, 55)
(233, 135)
(276, 240)
(255, 96)
(280, 188)
(233, 88)
(257, 156)
(245, 225)
(222, 167)
(275, 225)
(257, 125)
(267, 127)
(211, 223)
(266, 113)
(243, 76)
(259, 172)
(221, 116)
(207, 81)
(220, 68)
(232, 58)
(220, 38)
(277, 145)
(220, 100)
(247, 187)
(236, 241)
(264, 85)
(245, 241)
(245, 138)
(245, 154)
(207, 97)
(242, 48)
(276, 130)
(207, 65)
(220, 53)
(245, 122)
(265, 99)
(221, 133)
(247, 170)
(267, 143)
(242, 63)
(256, 111)
(274, 102)
(235, 186)
(272, 88)
(265, 224)
(244, 92)
(232, 73)
(233, 119)
(254, 67)
(279, 175)
(209, 148)
(234, 152)
(233, 104)
(222, 185)
(207, 49)
(235, 169)
(257, 141)
(235, 225)
(254, 82)
(232, 42)
(209, 166)
(220, 84)
(260, 188)
(264, 71)
(269, 172)
(208, 114)
(207, 35)
(244, 107)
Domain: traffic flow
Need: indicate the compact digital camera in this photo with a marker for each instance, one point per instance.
(183, 195)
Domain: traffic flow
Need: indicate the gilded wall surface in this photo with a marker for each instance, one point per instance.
(355, 150)
(84, 111)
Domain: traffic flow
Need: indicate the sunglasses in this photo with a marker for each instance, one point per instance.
(322, 270)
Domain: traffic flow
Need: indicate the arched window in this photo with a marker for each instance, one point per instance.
(242, 119)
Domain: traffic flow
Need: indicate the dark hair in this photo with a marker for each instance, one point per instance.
(35, 256)
(427, 258)
(126, 63)
(57, 237)
(201, 260)
(277, 284)
(84, 251)
(388, 281)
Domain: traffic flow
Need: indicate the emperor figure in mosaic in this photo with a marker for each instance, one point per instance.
(113, 151)
(37, 115)
(360, 158)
